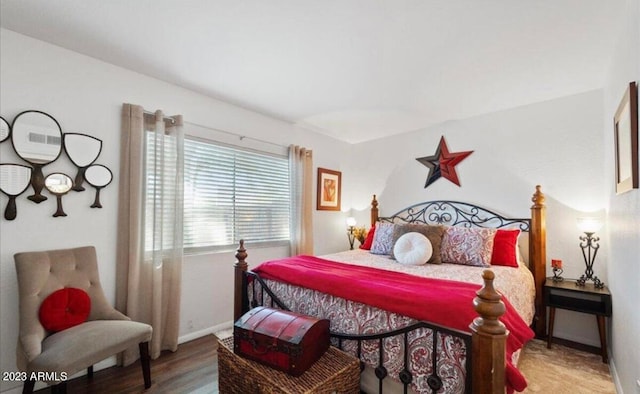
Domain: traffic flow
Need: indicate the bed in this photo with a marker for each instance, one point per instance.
(404, 347)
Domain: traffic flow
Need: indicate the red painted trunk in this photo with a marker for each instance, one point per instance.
(286, 341)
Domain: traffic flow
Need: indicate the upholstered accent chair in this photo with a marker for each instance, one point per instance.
(105, 333)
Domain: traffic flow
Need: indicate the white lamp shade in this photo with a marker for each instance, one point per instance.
(589, 224)
(351, 221)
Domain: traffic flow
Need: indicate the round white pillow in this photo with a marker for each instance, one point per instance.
(413, 249)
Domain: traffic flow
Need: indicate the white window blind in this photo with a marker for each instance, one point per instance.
(232, 194)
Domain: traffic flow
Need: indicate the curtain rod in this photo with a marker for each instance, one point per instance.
(169, 118)
(242, 137)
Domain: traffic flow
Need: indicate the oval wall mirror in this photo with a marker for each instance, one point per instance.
(37, 139)
(58, 184)
(14, 180)
(5, 129)
(98, 176)
(82, 150)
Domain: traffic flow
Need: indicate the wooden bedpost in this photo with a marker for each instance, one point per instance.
(538, 258)
(374, 211)
(488, 340)
(239, 288)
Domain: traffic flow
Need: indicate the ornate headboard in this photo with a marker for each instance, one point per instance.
(455, 213)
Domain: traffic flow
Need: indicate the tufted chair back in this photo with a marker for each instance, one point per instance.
(42, 273)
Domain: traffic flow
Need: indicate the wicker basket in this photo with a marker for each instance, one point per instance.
(335, 372)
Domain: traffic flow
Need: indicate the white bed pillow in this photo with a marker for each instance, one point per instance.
(413, 249)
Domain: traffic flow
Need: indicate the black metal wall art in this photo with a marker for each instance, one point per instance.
(83, 150)
(14, 180)
(98, 176)
(37, 138)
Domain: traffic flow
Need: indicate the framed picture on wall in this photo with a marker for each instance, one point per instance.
(625, 125)
(329, 190)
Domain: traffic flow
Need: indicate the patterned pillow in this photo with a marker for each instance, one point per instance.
(383, 238)
(468, 246)
(432, 232)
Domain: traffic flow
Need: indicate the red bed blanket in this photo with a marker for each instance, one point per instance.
(445, 302)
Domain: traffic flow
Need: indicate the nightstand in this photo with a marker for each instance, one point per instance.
(586, 299)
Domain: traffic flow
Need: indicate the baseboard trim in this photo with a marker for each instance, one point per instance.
(614, 375)
(207, 331)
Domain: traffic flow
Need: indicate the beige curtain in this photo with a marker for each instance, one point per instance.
(150, 219)
(301, 232)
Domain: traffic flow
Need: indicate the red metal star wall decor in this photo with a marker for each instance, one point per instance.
(443, 163)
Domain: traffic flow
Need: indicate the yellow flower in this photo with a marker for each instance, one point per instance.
(360, 234)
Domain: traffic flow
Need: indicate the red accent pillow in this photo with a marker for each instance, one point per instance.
(369, 240)
(504, 248)
(64, 308)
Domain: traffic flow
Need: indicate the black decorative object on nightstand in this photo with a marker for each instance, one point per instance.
(585, 298)
(589, 245)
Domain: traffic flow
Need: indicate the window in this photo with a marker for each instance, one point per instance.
(232, 194)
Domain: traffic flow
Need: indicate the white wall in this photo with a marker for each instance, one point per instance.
(561, 144)
(554, 144)
(623, 217)
(85, 95)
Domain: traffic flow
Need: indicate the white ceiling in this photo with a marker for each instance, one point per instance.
(352, 69)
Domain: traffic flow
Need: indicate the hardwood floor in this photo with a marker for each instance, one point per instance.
(191, 369)
(194, 369)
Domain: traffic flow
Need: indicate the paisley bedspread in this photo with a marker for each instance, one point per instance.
(516, 284)
(357, 318)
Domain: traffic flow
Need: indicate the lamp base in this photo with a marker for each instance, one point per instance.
(351, 237)
(597, 283)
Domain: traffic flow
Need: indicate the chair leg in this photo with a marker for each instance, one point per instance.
(90, 372)
(28, 386)
(145, 363)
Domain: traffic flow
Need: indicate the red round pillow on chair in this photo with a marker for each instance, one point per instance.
(64, 308)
